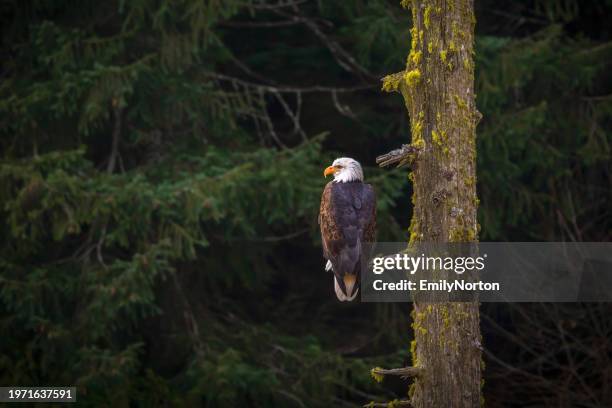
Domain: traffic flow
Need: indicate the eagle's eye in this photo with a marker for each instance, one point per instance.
(340, 166)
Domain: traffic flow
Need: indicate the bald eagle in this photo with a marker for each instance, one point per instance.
(347, 218)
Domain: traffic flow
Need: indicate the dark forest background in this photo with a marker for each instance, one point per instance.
(160, 174)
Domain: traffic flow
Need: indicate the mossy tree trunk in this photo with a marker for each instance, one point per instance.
(438, 89)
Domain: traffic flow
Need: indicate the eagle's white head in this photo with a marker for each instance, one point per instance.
(345, 170)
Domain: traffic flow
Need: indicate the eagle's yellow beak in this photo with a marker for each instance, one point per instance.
(329, 170)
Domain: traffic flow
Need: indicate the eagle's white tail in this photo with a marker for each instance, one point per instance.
(340, 295)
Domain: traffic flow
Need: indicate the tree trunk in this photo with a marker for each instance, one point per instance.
(438, 89)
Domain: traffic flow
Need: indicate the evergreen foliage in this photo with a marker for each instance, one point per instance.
(161, 172)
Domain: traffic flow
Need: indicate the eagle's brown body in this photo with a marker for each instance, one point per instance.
(347, 219)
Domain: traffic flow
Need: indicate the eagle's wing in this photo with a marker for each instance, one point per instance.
(330, 230)
(369, 214)
(347, 218)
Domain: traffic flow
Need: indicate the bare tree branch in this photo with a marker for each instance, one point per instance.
(297, 128)
(290, 88)
(343, 109)
(404, 372)
(342, 57)
(403, 156)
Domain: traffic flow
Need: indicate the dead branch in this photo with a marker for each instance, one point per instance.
(403, 372)
(287, 88)
(403, 156)
(342, 57)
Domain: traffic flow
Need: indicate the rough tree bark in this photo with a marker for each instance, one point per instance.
(438, 90)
